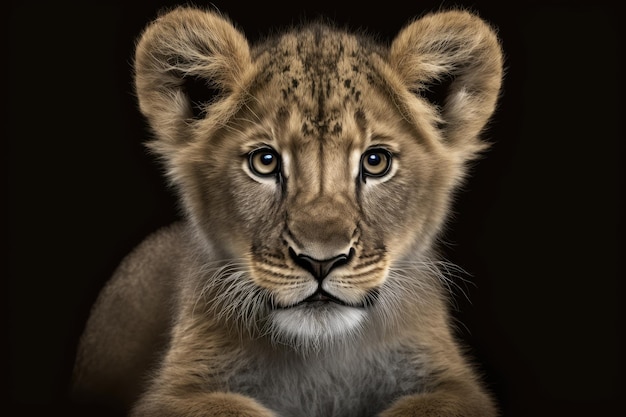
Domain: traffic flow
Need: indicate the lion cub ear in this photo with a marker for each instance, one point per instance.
(459, 50)
(185, 44)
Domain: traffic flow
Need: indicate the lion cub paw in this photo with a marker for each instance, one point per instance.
(236, 405)
(216, 404)
(441, 405)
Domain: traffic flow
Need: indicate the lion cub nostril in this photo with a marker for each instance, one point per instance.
(320, 268)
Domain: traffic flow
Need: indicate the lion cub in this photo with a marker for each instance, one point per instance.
(304, 280)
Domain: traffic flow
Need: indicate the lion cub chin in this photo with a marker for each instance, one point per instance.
(316, 324)
(304, 279)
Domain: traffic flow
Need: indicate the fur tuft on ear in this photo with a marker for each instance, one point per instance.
(185, 43)
(460, 49)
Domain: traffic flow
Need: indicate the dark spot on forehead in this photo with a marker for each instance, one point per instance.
(318, 34)
(282, 114)
(361, 120)
(306, 129)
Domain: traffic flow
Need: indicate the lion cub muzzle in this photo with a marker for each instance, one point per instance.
(321, 237)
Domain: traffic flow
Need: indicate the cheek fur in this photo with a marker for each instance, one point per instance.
(385, 205)
(256, 205)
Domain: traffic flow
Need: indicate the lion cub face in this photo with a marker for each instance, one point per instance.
(327, 184)
(325, 172)
(318, 168)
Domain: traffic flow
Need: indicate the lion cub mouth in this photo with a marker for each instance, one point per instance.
(320, 298)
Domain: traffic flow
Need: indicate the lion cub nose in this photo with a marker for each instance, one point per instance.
(320, 268)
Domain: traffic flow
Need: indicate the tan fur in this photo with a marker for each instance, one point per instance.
(221, 314)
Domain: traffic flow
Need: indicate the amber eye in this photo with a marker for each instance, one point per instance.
(264, 162)
(375, 163)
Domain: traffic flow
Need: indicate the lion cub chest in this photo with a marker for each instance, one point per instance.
(326, 386)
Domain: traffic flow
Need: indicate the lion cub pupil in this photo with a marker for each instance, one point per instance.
(374, 159)
(267, 159)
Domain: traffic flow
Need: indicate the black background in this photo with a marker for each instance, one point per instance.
(539, 225)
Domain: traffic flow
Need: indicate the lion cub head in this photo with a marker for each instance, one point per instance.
(318, 168)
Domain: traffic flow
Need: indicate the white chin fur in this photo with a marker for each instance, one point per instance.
(315, 326)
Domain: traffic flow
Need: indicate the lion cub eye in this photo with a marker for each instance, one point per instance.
(375, 163)
(264, 162)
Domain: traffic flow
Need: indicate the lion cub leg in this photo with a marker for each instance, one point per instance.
(443, 403)
(201, 405)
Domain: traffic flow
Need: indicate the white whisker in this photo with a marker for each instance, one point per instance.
(420, 274)
(228, 294)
